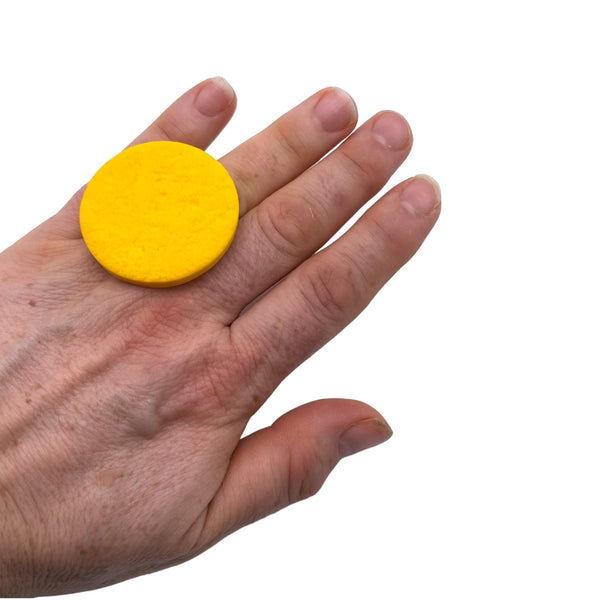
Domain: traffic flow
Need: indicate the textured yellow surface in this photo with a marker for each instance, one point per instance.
(159, 214)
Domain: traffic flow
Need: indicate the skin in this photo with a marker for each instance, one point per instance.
(123, 407)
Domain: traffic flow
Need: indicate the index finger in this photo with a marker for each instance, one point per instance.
(196, 118)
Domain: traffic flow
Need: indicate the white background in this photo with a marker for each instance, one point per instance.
(482, 353)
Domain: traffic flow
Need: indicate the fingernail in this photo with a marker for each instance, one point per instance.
(391, 130)
(422, 195)
(335, 110)
(214, 97)
(362, 435)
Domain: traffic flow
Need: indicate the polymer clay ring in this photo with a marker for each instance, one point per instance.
(159, 214)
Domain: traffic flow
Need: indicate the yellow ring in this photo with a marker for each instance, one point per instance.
(159, 214)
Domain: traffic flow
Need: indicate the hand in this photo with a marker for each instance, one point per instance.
(123, 407)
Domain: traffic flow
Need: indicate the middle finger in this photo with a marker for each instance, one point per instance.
(294, 222)
(275, 156)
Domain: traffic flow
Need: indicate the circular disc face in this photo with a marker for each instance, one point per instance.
(159, 214)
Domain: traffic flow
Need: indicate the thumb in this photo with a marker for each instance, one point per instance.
(289, 461)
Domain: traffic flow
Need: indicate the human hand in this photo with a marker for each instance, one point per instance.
(123, 407)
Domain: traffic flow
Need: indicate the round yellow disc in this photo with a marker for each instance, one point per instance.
(159, 214)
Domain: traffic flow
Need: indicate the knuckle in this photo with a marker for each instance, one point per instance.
(154, 321)
(363, 175)
(381, 230)
(333, 288)
(290, 226)
(168, 128)
(352, 164)
(306, 475)
(293, 147)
